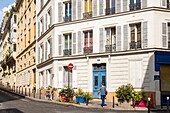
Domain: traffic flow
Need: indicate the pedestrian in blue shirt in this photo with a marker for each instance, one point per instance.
(103, 93)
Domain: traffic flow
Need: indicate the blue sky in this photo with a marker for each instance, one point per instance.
(4, 5)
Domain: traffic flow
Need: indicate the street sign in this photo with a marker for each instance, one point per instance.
(70, 66)
(156, 77)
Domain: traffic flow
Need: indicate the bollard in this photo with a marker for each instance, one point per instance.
(25, 91)
(113, 102)
(34, 93)
(29, 92)
(149, 104)
(167, 104)
(40, 94)
(22, 91)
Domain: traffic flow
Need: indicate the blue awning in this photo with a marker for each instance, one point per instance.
(161, 57)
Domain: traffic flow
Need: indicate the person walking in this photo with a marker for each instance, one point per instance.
(103, 93)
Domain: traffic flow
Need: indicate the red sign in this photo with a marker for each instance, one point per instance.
(70, 66)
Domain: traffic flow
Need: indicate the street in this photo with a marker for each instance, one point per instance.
(10, 103)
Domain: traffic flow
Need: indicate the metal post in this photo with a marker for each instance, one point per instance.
(113, 102)
(29, 92)
(68, 79)
(167, 104)
(25, 91)
(149, 104)
(22, 91)
(34, 93)
(40, 94)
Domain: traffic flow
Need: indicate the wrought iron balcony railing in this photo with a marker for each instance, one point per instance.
(110, 11)
(67, 52)
(67, 18)
(110, 48)
(87, 15)
(88, 50)
(135, 6)
(135, 45)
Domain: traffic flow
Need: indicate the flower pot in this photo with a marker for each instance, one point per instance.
(80, 99)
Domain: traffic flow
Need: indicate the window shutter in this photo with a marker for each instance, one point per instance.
(94, 7)
(144, 3)
(118, 6)
(125, 4)
(125, 34)
(42, 52)
(38, 29)
(46, 50)
(74, 77)
(100, 7)
(164, 40)
(38, 54)
(59, 45)
(74, 43)
(79, 42)
(145, 35)
(60, 11)
(51, 14)
(74, 9)
(118, 33)
(79, 6)
(101, 40)
(60, 77)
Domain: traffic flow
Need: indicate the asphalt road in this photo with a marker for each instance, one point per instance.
(10, 103)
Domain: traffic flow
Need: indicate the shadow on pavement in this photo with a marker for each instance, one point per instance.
(6, 96)
(11, 110)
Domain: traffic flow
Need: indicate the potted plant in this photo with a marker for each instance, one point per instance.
(66, 94)
(79, 98)
(138, 97)
(124, 92)
(87, 96)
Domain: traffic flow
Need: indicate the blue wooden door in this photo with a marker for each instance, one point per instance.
(99, 77)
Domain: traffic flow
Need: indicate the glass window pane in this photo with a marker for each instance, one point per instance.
(96, 81)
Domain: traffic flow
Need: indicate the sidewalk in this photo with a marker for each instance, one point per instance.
(96, 104)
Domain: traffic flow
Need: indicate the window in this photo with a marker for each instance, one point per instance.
(67, 76)
(88, 41)
(67, 44)
(135, 5)
(41, 4)
(110, 7)
(15, 19)
(135, 36)
(25, 40)
(68, 12)
(14, 47)
(49, 18)
(87, 9)
(34, 30)
(41, 25)
(29, 36)
(110, 39)
(42, 52)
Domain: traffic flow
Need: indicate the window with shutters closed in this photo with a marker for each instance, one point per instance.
(135, 36)
(110, 7)
(110, 39)
(135, 5)
(88, 42)
(87, 9)
(67, 44)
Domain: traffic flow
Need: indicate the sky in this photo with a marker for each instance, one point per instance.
(4, 6)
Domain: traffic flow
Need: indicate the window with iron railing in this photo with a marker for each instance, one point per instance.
(68, 44)
(87, 9)
(88, 42)
(110, 7)
(110, 39)
(135, 36)
(68, 12)
(135, 5)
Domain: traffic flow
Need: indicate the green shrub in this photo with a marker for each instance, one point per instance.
(79, 92)
(87, 96)
(124, 92)
(138, 96)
